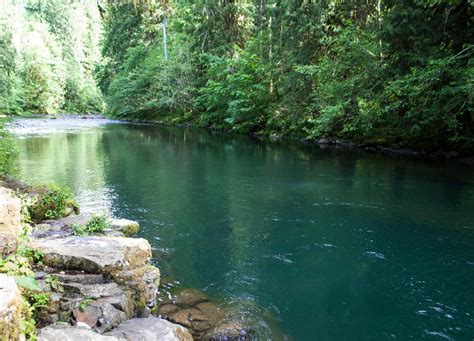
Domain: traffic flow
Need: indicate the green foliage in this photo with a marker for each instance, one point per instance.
(235, 95)
(8, 153)
(394, 72)
(27, 282)
(85, 303)
(435, 100)
(39, 300)
(47, 52)
(16, 265)
(35, 256)
(345, 83)
(97, 224)
(54, 283)
(79, 230)
(51, 202)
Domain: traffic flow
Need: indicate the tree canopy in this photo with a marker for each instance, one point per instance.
(394, 72)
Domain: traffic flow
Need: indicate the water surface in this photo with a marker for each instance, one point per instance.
(332, 244)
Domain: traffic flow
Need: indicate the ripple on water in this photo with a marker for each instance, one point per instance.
(348, 204)
(438, 334)
(281, 257)
(375, 254)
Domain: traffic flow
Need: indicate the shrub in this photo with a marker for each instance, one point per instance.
(52, 202)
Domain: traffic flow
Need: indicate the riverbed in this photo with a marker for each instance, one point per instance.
(322, 244)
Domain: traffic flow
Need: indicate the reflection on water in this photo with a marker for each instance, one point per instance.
(333, 245)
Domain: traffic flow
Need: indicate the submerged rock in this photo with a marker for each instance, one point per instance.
(227, 331)
(185, 298)
(192, 309)
(150, 329)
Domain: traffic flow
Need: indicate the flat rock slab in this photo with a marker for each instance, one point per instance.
(150, 329)
(71, 333)
(94, 254)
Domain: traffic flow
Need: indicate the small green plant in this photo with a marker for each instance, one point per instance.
(85, 303)
(97, 224)
(35, 256)
(38, 300)
(51, 202)
(54, 283)
(15, 265)
(79, 230)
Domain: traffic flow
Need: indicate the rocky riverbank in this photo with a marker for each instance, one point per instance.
(99, 286)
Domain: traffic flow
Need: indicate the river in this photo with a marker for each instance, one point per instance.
(332, 244)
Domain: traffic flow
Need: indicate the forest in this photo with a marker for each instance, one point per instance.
(393, 72)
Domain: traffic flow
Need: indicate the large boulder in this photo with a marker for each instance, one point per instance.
(95, 254)
(112, 274)
(63, 332)
(150, 329)
(10, 221)
(11, 307)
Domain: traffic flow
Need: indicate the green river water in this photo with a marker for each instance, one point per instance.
(304, 243)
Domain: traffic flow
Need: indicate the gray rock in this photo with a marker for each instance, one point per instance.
(81, 219)
(323, 141)
(127, 227)
(61, 332)
(94, 254)
(81, 278)
(144, 282)
(150, 329)
(93, 291)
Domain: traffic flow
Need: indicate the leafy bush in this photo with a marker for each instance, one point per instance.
(52, 202)
(345, 82)
(236, 93)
